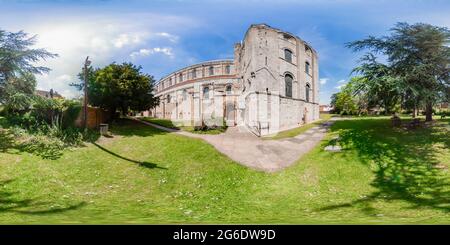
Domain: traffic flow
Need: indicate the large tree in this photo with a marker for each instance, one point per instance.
(120, 87)
(18, 66)
(418, 58)
(377, 84)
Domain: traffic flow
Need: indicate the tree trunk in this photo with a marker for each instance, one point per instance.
(429, 112)
(112, 113)
(414, 111)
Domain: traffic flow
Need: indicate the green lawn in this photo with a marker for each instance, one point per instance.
(144, 175)
(169, 124)
(299, 130)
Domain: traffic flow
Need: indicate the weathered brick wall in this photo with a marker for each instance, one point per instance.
(95, 117)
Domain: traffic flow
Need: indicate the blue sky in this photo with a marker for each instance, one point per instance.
(163, 36)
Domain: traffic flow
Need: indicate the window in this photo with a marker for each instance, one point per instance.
(168, 98)
(194, 73)
(211, 70)
(228, 89)
(206, 93)
(184, 94)
(307, 90)
(288, 84)
(288, 55)
(308, 50)
(181, 77)
(170, 81)
(227, 69)
(307, 67)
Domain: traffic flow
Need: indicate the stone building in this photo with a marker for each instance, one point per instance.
(271, 85)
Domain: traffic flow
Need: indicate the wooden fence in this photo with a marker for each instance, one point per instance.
(95, 117)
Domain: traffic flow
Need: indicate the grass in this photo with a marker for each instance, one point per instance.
(169, 124)
(144, 175)
(299, 130)
(162, 122)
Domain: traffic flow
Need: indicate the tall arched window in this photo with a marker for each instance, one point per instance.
(181, 77)
(170, 81)
(288, 55)
(228, 89)
(168, 98)
(307, 91)
(227, 69)
(194, 73)
(288, 85)
(211, 70)
(184, 94)
(307, 67)
(206, 93)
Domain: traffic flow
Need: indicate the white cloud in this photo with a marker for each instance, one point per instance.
(147, 52)
(323, 81)
(127, 39)
(170, 37)
(103, 38)
(341, 84)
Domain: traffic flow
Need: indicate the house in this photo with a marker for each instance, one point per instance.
(48, 94)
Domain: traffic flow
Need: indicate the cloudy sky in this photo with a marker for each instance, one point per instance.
(164, 35)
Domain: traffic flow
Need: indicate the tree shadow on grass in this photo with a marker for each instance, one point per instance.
(35, 146)
(9, 202)
(127, 128)
(405, 163)
(142, 164)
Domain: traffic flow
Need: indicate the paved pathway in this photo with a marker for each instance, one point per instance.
(265, 155)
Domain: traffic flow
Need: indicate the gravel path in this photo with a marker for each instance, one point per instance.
(264, 155)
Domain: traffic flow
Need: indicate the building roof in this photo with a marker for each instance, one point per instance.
(209, 62)
(48, 94)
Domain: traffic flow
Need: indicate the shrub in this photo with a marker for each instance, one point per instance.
(71, 113)
(42, 145)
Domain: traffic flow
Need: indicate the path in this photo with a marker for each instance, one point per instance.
(265, 155)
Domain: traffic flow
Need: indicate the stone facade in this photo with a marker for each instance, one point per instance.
(271, 85)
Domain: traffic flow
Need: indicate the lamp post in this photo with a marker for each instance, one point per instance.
(87, 63)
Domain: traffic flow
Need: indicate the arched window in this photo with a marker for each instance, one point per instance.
(184, 94)
(307, 90)
(288, 85)
(227, 69)
(211, 70)
(194, 73)
(181, 77)
(170, 81)
(168, 98)
(307, 67)
(206, 93)
(288, 55)
(228, 89)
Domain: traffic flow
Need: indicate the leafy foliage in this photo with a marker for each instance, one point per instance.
(417, 69)
(17, 59)
(119, 87)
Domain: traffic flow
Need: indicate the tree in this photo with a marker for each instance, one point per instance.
(120, 87)
(417, 61)
(377, 84)
(18, 92)
(333, 103)
(17, 69)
